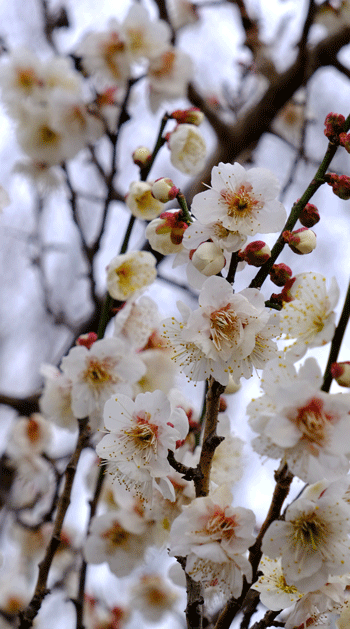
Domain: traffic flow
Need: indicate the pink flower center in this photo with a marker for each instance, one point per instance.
(221, 526)
(313, 421)
(241, 202)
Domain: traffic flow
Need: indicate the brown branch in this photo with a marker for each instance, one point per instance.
(210, 438)
(27, 616)
(24, 406)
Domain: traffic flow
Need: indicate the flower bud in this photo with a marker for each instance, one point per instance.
(164, 190)
(222, 405)
(208, 259)
(256, 253)
(87, 340)
(301, 241)
(165, 233)
(341, 373)
(340, 185)
(142, 156)
(344, 140)
(334, 124)
(309, 216)
(280, 273)
(193, 115)
(140, 201)
(187, 149)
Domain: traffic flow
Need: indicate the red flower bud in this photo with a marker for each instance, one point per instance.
(280, 274)
(256, 253)
(340, 185)
(87, 340)
(193, 115)
(334, 124)
(300, 241)
(341, 373)
(309, 216)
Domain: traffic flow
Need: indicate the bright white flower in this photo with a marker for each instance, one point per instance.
(169, 75)
(139, 436)
(153, 597)
(120, 538)
(56, 399)
(275, 593)
(108, 367)
(217, 337)
(310, 317)
(243, 201)
(314, 538)
(136, 320)
(140, 201)
(144, 38)
(30, 436)
(314, 608)
(213, 536)
(296, 421)
(198, 232)
(129, 272)
(105, 55)
(188, 150)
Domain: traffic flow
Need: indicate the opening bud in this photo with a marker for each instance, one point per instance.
(193, 115)
(341, 373)
(142, 156)
(87, 340)
(164, 190)
(208, 259)
(334, 124)
(301, 241)
(256, 253)
(166, 232)
(340, 185)
(280, 274)
(309, 216)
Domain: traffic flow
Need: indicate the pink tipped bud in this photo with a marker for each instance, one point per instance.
(340, 185)
(334, 124)
(280, 274)
(208, 259)
(309, 216)
(164, 190)
(301, 241)
(87, 340)
(166, 232)
(286, 294)
(193, 115)
(341, 373)
(344, 140)
(256, 253)
(142, 156)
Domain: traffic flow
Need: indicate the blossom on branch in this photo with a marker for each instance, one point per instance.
(129, 272)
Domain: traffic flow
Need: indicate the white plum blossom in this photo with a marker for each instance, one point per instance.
(144, 38)
(216, 338)
(129, 272)
(309, 317)
(297, 422)
(30, 436)
(120, 538)
(214, 536)
(136, 320)
(105, 55)
(139, 436)
(275, 593)
(160, 371)
(153, 597)
(242, 201)
(56, 399)
(317, 608)
(227, 240)
(140, 201)
(313, 541)
(188, 150)
(169, 75)
(109, 366)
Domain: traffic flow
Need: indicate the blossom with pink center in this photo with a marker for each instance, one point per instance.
(108, 367)
(139, 436)
(169, 75)
(313, 541)
(213, 536)
(216, 338)
(30, 436)
(105, 54)
(243, 201)
(296, 421)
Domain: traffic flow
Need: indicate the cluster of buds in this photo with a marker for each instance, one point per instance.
(340, 185)
(334, 124)
(193, 115)
(341, 373)
(208, 258)
(301, 241)
(166, 232)
(309, 215)
(256, 253)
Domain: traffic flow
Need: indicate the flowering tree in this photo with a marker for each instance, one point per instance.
(115, 458)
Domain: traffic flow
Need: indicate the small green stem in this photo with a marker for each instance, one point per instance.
(185, 211)
(336, 342)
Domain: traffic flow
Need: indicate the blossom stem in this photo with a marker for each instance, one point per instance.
(160, 141)
(313, 186)
(233, 268)
(210, 438)
(183, 205)
(27, 616)
(336, 342)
